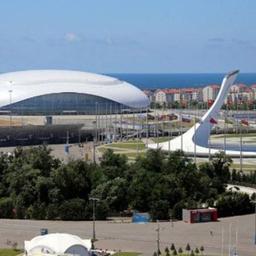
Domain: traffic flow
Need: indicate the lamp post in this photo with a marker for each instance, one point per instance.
(10, 100)
(158, 238)
(94, 200)
(254, 238)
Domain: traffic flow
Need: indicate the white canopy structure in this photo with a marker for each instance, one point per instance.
(57, 244)
(196, 140)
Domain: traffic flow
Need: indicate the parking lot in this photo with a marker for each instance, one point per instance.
(142, 237)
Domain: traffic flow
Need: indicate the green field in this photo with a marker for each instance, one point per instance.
(9, 252)
(127, 254)
(134, 154)
(161, 139)
(126, 145)
(247, 167)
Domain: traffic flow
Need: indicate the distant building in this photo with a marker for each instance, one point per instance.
(240, 94)
(189, 94)
(185, 95)
(253, 87)
(150, 94)
(210, 92)
(165, 96)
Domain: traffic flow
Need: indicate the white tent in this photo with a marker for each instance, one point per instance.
(56, 244)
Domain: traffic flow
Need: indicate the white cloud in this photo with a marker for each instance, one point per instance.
(71, 37)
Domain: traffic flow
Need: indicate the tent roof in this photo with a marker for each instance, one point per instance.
(58, 242)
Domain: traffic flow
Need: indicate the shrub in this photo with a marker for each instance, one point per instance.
(160, 210)
(73, 209)
(188, 248)
(102, 210)
(6, 208)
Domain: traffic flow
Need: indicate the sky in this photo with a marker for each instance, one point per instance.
(128, 36)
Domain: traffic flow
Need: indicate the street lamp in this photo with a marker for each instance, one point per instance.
(94, 200)
(10, 114)
(10, 100)
(254, 201)
(158, 238)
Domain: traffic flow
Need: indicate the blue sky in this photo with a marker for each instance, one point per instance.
(128, 36)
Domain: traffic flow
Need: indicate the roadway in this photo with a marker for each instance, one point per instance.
(142, 237)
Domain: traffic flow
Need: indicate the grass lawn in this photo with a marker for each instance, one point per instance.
(126, 145)
(103, 149)
(9, 252)
(127, 254)
(245, 166)
(134, 154)
(161, 139)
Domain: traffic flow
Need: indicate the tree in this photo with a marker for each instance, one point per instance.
(113, 165)
(233, 203)
(174, 252)
(197, 250)
(172, 247)
(152, 162)
(114, 192)
(159, 210)
(102, 210)
(139, 191)
(188, 248)
(6, 208)
(73, 180)
(192, 253)
(73, 209)
(221, 163)
(202, 249)
(180, 251)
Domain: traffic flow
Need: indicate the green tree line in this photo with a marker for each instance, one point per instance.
(35, 185)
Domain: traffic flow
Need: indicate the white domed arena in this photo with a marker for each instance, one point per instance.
(53, 92)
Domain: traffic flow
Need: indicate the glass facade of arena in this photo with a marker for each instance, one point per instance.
(65, 103)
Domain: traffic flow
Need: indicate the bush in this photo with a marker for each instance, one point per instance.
(73, 209)
(6, 208)
(52, 212)
(36, 211)
(160, 210)
(102, 210)
(230, 204)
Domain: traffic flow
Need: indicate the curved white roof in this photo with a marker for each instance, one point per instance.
(27, 84)
(58, 242)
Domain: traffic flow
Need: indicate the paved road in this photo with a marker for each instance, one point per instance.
(142, 237)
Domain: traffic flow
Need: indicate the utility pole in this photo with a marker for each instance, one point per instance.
(255, 224)
(158, 238)
(94, 200)
(254, 235)
(10, 98)
(241, 149)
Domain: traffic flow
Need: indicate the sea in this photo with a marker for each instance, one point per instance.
(156, 81)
